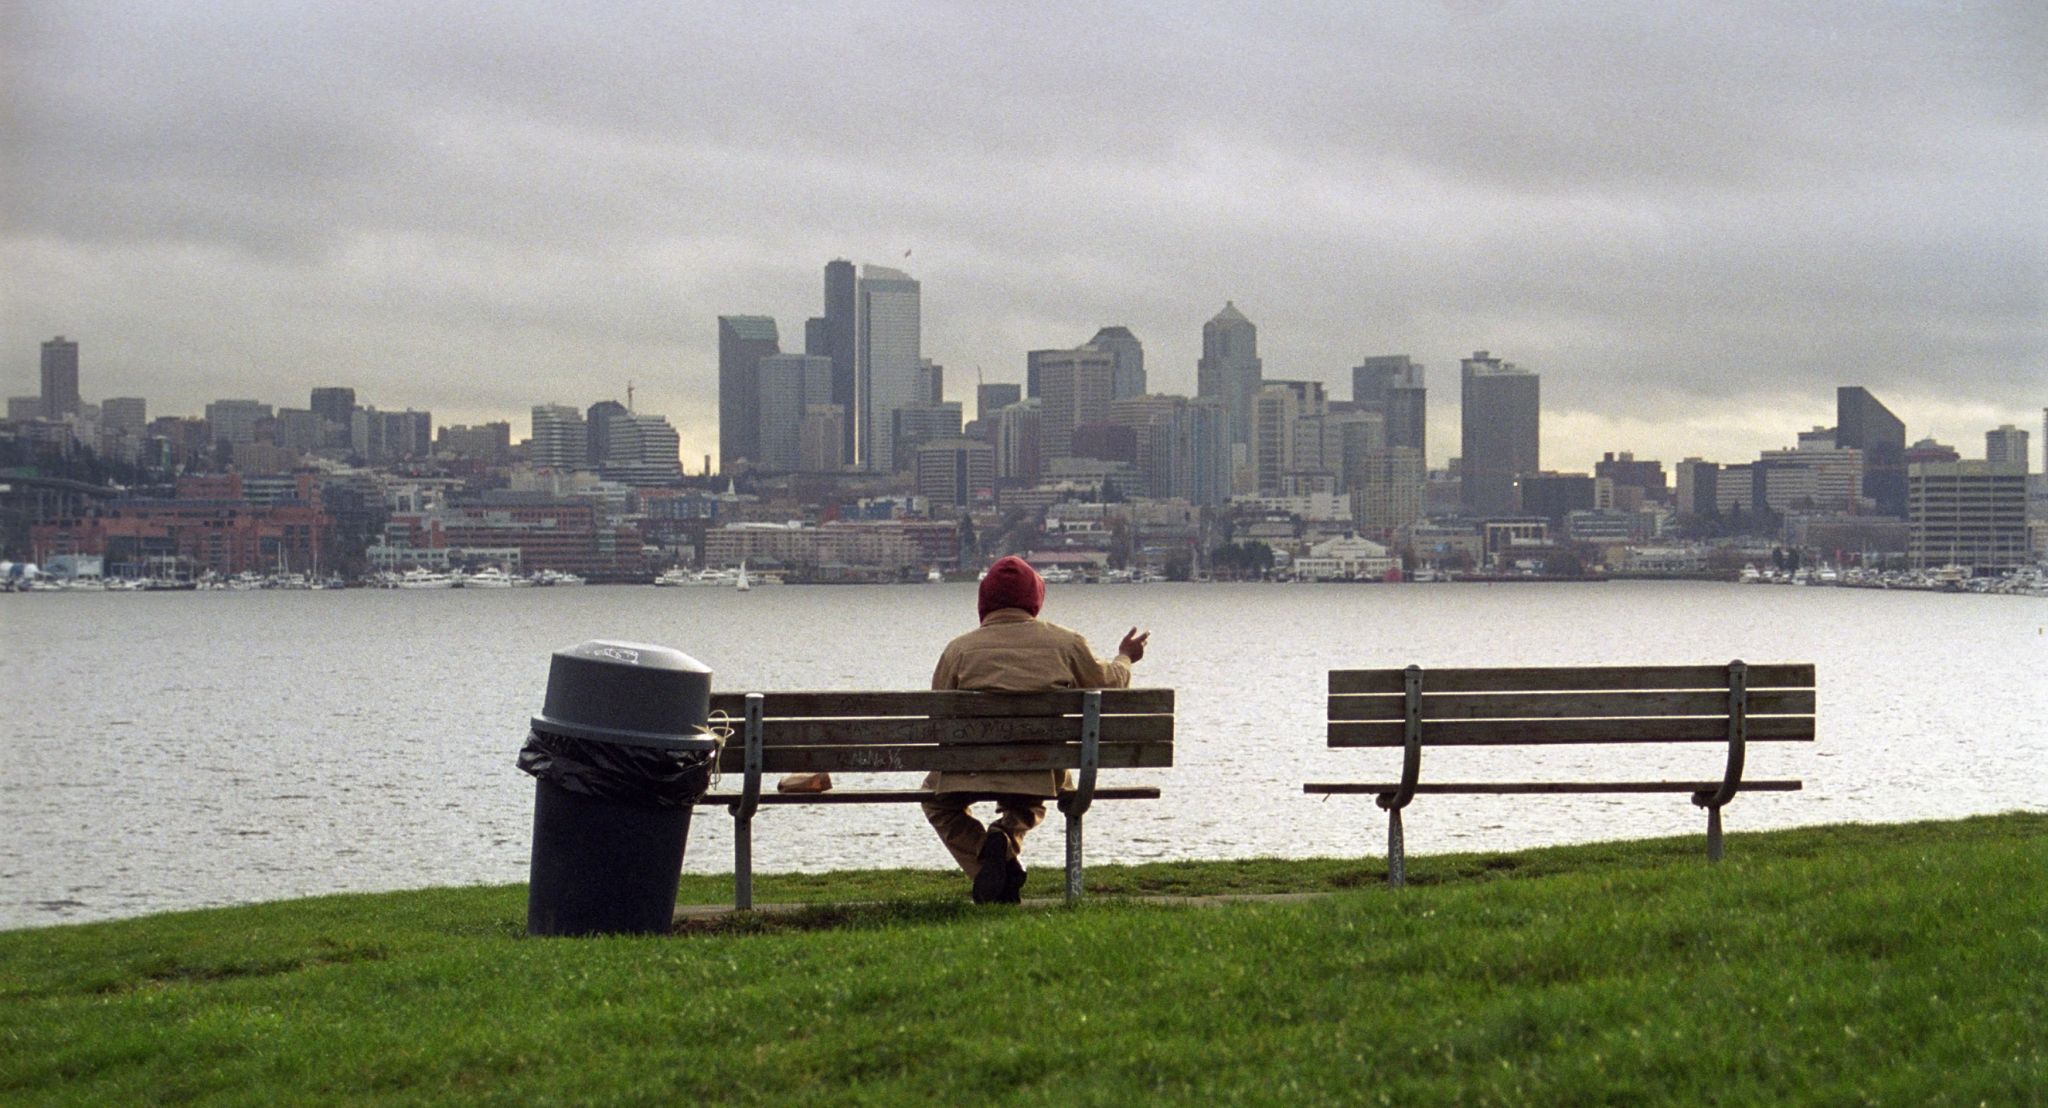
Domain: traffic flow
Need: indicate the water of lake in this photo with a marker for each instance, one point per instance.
(177, 750)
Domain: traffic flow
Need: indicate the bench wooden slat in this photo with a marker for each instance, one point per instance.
(827, 704)
(1570, 678)
(896, 796)
(1528, 787)
(1555, 732)
(965, 731)
(1576, 705)
(959, 759)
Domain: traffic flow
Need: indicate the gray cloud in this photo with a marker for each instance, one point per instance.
(1695, 221)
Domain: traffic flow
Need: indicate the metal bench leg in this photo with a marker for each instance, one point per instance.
(743, 862)
(1397, 854)
(1073, 857)
(1714, 833)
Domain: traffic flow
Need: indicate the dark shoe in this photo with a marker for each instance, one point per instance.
(1013, 888)
(992, 880)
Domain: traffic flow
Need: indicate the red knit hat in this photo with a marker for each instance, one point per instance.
(1012, 583)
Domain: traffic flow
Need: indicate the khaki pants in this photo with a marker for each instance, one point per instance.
(963, 834)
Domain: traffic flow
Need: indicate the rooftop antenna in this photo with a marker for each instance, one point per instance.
(629, 395)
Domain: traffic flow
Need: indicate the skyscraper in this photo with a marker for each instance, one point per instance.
(1130, 359)
(124, 415)
(1076, 387)
(1229, 370)
(842, 344)
(558, 440)
(2007, 444)
(994, 397)
(336, 406)
(597, 430)
(888, 365)
(60, 378)
(1499, 419)
(1864, 424)
(1392, 384)
(790, 386)
(742, 341)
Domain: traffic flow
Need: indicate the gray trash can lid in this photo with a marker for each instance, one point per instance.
(635, 694)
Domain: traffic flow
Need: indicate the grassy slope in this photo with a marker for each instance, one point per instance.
(1896, 964)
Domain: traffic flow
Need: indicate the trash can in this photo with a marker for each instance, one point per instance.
(619, 755)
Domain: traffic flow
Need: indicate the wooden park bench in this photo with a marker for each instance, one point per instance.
(1412, 708)
(849, 733)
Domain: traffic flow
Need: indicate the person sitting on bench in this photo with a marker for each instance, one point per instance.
(1013, 651)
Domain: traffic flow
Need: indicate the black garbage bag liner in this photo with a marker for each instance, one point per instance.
(652, 777)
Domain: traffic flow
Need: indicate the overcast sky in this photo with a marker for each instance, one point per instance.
(1695, 220)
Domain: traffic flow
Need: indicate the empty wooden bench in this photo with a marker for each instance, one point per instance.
(852, 733)
(1413, 708)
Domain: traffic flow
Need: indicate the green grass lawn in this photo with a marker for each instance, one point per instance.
(1897, 964)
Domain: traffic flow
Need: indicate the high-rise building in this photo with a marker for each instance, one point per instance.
(1279, 411)
(790, 386)
(743, 340)
(559, 440)
(1697, 479)
(889, 359)
(841, 343)
(1971, 514)
(60, 378)
(956, 472)
(642, 450)
(391, 436)
(1229, 371)
(916, 424)
(1500, 420)
(1130, 359)
(1864, 424)
(931, 381)
(1387, 488)
(1019, 458)
(1626, 471)
(1833, 477)
(336, 406)
(485, 442)
(992, 398)
(821, 439)
(2007, 444)
(1076, 387)
(1392, 384)
(597, 430)
(234, 421)
(124, 415)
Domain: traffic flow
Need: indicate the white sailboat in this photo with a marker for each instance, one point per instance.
(743, 584)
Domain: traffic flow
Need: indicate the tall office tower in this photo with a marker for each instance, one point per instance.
(1386, 493)
(913, 425)
(643, 450)
(1373, 377)
(234, 421)
(1279, 410)
(558, 441)
(1076, 387)
(60, 378)
(842, 345)
(336, 404)
(1626, 471)
(1151, 421)
(2007, 444)
(790, 385)
(1500, 418)
(743, 340)
(1864, 424)
(124, 415)
(1971, 514)
(888, 363)
(597, 430)
(990, 399)
(931, 381)
(1408, 415)
(1696, 481)
(1831, 478)
(1202, 453)
(821, 438)
(1032, 359)
(956, 472)
(1019, 459)
(1130, 359)
(1229, 370)
(1349, 437)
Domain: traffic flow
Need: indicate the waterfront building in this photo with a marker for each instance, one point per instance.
(60, 378)
(234, 421)
(1076, 387)
(1971, 514)
(1500, 418)
(889, 362)
(1344, 558)
(2007, 444)
(209, 525)
(1862, 423)
(1229, 371)
(1129, 377)
(743, 340)
(787, 388)
(558, 440)
(956, 472)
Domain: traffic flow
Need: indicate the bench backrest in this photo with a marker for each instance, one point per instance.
(840, 732)
(1587, 704)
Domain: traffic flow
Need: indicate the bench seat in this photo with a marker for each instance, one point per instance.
(906, 796)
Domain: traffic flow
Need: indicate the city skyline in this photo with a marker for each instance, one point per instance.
(1694, 232)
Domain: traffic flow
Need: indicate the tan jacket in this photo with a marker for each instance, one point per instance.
(1014, 652)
